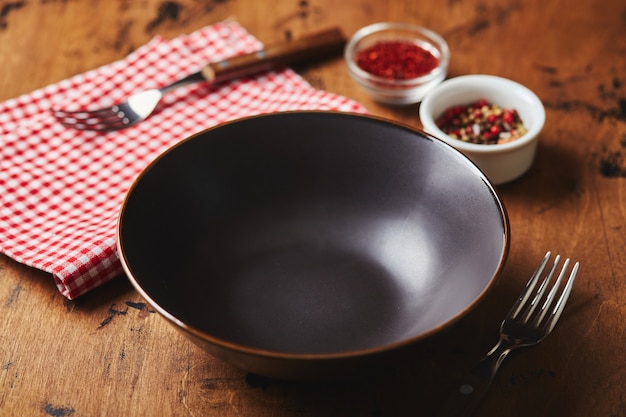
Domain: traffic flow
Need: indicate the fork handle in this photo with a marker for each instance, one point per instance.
(276, 56)
(464, 401)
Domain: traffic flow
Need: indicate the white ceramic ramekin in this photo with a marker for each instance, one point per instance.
(500, 162)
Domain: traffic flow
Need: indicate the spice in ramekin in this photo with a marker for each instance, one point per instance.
(396, 60)
(482, 122)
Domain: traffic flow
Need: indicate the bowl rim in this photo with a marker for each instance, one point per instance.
(477, 82)
(277, 355)
(363, 76)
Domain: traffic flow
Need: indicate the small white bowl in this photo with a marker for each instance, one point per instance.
(501, 163)
(397, 91)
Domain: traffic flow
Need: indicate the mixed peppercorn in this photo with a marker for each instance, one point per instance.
(396, 60)
(482, 122)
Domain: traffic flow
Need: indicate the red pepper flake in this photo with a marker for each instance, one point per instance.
(481, 122)
(396, 60)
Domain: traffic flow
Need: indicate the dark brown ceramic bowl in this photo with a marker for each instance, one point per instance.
(302, 245)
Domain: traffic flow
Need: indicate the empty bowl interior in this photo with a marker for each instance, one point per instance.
(312, 233)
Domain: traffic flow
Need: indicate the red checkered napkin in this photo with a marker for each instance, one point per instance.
(61, 188)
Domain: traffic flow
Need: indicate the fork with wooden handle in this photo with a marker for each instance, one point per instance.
(140, 105)
(525, 325)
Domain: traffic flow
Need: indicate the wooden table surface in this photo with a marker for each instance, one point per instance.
(107, 353)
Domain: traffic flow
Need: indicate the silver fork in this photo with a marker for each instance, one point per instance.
(141, 105)
(525, 325)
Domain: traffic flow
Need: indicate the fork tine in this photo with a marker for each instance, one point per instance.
(100, 127)
(82, 124)
(102, 120)
(87, 120)
(110, 113)
(560, 304)
(551, 294)
(530, 286)
(532, 306)
(86, 114)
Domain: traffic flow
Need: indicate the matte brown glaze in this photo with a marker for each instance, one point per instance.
(311, 237)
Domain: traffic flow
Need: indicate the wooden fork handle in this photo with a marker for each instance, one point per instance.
(465, 400)
(275, 56)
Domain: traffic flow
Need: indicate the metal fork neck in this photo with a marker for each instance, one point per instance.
(192, 78)
(490, 364)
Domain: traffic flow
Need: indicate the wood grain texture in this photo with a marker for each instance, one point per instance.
(108, 353)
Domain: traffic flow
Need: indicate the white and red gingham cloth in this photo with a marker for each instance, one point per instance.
(61, 189)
